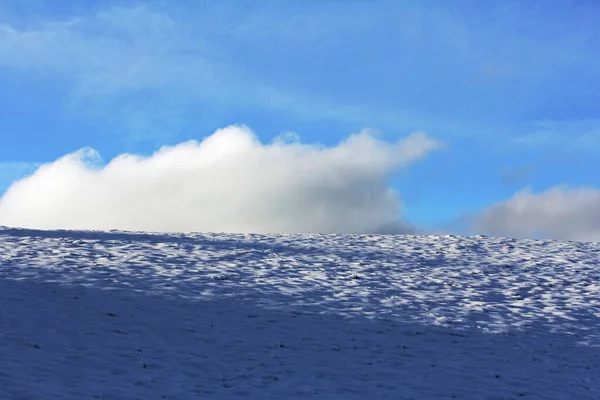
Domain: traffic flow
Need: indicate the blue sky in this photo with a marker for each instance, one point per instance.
(511, 89)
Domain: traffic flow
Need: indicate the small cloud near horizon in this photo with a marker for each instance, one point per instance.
(228, 182)
(560, 213)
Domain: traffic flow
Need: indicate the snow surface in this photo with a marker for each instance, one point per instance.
(94, 315)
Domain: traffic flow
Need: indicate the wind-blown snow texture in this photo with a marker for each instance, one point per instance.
(92, 315)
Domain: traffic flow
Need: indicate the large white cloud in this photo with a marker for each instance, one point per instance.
(559, 213)
(229, 182)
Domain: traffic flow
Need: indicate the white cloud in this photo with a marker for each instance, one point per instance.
(558, 213)
(229, 182)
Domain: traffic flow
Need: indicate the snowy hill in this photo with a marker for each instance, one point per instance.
(93, 315)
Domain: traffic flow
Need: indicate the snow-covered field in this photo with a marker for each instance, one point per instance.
(92, 315)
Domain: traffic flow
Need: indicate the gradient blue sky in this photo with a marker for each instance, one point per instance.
(512, 88)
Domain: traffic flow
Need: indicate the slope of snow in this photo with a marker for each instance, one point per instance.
(93, 315)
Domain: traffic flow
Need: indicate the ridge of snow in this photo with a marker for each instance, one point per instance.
(123, 315)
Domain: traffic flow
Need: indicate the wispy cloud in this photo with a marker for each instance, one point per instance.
(142, 67)
(572, 135)
(118, 61)
(414, 65)
(229, 182)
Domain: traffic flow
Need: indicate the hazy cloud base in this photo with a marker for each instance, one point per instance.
(229, 182)
(561, 213)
